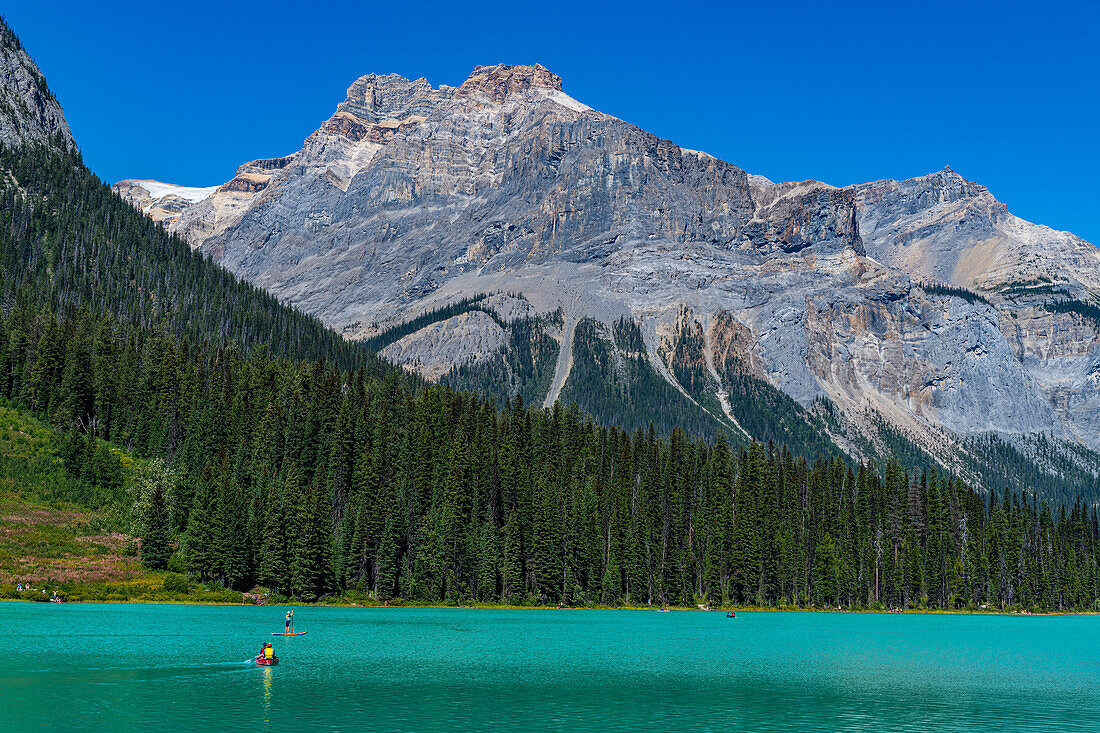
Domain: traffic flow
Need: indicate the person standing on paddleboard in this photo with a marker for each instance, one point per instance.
(289, 618)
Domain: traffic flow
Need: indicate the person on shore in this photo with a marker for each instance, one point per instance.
(289, 618)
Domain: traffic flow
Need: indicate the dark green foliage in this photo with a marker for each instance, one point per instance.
(396, 333)
(896, 443)
(1059, 473)
(1039, 286)
(156, 541)
(310, 468)
(67, 241)
(956, 292)
(310, 480)
(613, 381)
(93, 471)
(524, 366)
(769, 414)
(175, 583)
(1088, 311)
(1055, 470)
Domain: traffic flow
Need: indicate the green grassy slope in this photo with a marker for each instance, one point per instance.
(57, 533)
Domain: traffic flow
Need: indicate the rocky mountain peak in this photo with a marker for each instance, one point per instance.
(29, 113)
(913, 195)
(943, 186)
(944, 227)
(501, 80)
(410, 199)
(377, 97)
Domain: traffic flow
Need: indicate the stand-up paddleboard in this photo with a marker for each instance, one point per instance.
(288, 633)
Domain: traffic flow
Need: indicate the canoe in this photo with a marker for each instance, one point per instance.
(263, 662)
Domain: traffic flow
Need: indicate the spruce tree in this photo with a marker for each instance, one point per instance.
(156, 540)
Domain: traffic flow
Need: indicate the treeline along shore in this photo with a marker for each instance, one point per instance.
(308, 479)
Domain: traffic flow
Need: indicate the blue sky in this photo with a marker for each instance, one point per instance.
(1006, 93)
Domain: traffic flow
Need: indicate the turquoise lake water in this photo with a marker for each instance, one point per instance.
(141, 667)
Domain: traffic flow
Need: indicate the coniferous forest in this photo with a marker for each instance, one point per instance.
(283, 457)
(68, 241)
(309, 479)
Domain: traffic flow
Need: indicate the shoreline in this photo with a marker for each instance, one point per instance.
(507, 607)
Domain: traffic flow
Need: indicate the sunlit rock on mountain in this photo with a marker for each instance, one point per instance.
(920, 307)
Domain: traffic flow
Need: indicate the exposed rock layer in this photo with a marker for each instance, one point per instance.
(28, 111)
(436, 349)
(410, 197)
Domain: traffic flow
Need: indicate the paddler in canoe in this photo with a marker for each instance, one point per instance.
(267, 655)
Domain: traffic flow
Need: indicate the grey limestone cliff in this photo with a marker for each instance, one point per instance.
(411, 197)
(28, 111)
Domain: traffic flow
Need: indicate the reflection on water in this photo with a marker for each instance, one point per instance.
(267, 695)
(436, 670)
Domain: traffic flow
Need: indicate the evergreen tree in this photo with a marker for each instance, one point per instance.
(156, 541)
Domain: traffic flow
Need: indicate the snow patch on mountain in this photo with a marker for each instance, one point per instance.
(699, 153)
(564, 100)
(158, 190)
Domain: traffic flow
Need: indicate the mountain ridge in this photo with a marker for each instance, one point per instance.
(410, 198)
(270, 451)
(28, 110)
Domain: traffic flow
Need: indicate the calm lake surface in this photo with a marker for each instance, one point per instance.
(121, 667)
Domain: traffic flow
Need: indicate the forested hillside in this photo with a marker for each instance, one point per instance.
(66, 240)
(297, 461)
(309, 479)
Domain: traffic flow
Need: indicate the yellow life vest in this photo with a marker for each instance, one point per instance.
(269, 653)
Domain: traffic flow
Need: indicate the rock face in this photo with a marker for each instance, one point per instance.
(28, 111)
(440, 347)
(411, 197)
(943, 227)
(408, 188)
